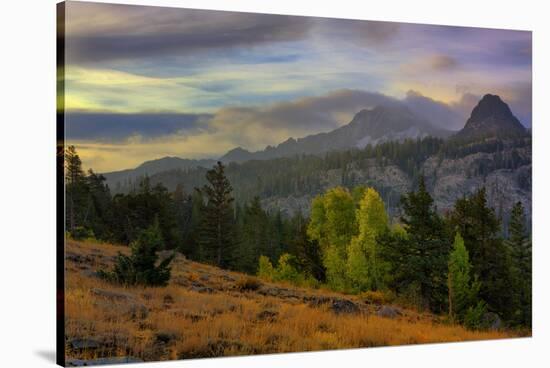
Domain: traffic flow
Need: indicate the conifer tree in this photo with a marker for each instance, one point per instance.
(75, 189)
(140, 267)
(419, 259)
(520, 247)
(217, 235)
(491, 258)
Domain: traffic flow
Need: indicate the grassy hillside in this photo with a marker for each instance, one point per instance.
(207, 312)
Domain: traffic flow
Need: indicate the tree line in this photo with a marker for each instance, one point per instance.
(458, 263)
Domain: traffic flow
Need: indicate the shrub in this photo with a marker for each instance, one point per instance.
(474, 317)
(378, 297)
(265, 268)
(139, 267)
(81, 233)
(286, 271)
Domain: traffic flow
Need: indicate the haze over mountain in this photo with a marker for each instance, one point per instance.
(155, 166)
(452, 168)
(389, 122)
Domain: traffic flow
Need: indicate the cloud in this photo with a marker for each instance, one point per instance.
(115, 127)
(442, 62)
(105, 32)
(442, 115)
(252, 127)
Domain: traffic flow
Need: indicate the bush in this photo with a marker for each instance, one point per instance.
(265, 268)
(139, 267)
(378, 297)
(82, 233)
(286, 271)
(474, 317)
(248, 284)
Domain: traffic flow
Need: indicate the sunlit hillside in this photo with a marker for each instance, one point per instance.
(208, 312)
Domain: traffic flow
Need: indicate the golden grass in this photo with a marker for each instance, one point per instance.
(177, 321)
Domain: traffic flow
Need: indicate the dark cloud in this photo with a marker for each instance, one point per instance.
(256, 127)
(124, 31)
(113, 127)
(439, 113)
(359, 32)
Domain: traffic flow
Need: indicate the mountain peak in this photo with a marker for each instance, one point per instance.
(237, 154)
(491, 105)
(491, 117)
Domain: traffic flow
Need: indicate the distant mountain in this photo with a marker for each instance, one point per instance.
(381, 124)
(491, 118)
(153, 167)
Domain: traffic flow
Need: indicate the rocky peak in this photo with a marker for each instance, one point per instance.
(491, 117)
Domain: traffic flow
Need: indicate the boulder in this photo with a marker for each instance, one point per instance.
(343, 306)
(492, 321)
(113, 295)
(166, 336)
(387, 311)
(202, 289)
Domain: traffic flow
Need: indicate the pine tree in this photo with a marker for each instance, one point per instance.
(253, 237)
(217, 235)
(419, 259)
(75, 190)
(140, 267)
(520, 246)
(491, 258)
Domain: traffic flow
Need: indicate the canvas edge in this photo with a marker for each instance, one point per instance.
(60, 187)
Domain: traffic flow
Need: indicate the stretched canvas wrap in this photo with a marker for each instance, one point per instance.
(239, 183)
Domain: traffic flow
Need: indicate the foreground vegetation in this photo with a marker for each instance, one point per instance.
(457, 264)
(205, 311)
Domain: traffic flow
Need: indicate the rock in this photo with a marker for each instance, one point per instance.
(77, 258)
(101, 361)
(84, 344)
(492, 321)
(90, 273)
(343, 306)
(227, 278)
(165, 336)
(202, 289)
(387, 311)
(267, 315)
(317, 301)
(113, 295)
(204, 277)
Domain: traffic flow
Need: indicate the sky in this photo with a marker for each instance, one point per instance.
(146, 82)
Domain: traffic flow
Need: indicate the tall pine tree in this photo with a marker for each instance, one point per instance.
(520, 247)
(491, 259)
(217, 235)
(419, 259)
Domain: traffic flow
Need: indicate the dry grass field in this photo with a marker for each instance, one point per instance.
(209, 312)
